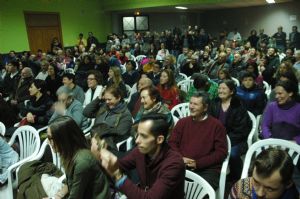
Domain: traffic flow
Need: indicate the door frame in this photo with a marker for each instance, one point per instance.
(41, 13)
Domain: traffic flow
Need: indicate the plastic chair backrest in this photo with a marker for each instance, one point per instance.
(127, 143)
(268, 89)
(29, 146)
(292, 148)
(253, 135)
(55, 157)
(237, 82)
(220, 192)
(180, 111)
(139, 58)
(195, 187)
(185, 77)
(29, 141)
(2, 129)
(185, 85)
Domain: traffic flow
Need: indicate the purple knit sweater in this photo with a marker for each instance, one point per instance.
(282, 122)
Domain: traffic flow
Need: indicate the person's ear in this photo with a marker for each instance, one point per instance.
(160, 139)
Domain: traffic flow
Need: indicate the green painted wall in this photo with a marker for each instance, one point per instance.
(76, 16)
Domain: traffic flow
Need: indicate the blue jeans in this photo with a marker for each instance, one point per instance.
(235, 162)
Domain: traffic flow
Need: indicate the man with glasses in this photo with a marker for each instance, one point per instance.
(271, 178)
(161, 170)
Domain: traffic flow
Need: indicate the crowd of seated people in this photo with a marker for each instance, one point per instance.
(121, 92)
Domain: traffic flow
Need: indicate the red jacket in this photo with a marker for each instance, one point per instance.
(161, 178)
(170, 96)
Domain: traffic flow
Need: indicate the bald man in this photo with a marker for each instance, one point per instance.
(135, 101)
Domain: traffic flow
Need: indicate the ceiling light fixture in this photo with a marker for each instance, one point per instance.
(181, 8)
(270, 1)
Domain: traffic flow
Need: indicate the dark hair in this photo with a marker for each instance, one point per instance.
(171, 79)
(254, 64)
(204, 96)
(67, 138)
(159, 63)
(133, 63)
(98, 75)
(40, 84)
(115, 91)
(200, 81)
(69, 76)
(290, 75)
(15, 63)
(153, 93)
(290, 87)
(247, 74)
(230, 84)
(226, 72)
(54, 67)
(103, 131)
(159, 126)
(271, 160)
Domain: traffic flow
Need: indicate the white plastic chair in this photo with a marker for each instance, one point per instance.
(55, 157)
(292, 148)
(185, 85)
(253, 135)
(29, 144)
(220, 192)
(195, 187)
(132, 57)
(86, 131)
(128, 143)
(237, 82)
(184, 76)
(2, 129)
(139, 58)
(180, 111)
(268, 89)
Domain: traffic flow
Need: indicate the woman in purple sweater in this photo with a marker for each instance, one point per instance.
(281, 118)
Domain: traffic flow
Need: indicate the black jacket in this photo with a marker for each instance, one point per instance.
(238, 123)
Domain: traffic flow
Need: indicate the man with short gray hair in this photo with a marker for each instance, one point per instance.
(201, 140)
(67, 105)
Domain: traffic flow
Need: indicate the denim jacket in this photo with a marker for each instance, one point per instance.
(7, 157)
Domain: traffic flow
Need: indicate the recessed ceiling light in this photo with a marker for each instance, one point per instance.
(270, 1)
(181, 7)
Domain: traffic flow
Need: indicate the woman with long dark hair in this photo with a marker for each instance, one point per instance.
(168, 89)
(85, 178)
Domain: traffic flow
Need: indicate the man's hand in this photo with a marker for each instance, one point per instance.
(30, 117)
(60, 107)
(109, 162)
(189, 162)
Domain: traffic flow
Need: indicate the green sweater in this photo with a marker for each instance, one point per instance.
(86, 178)
(212, 91)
